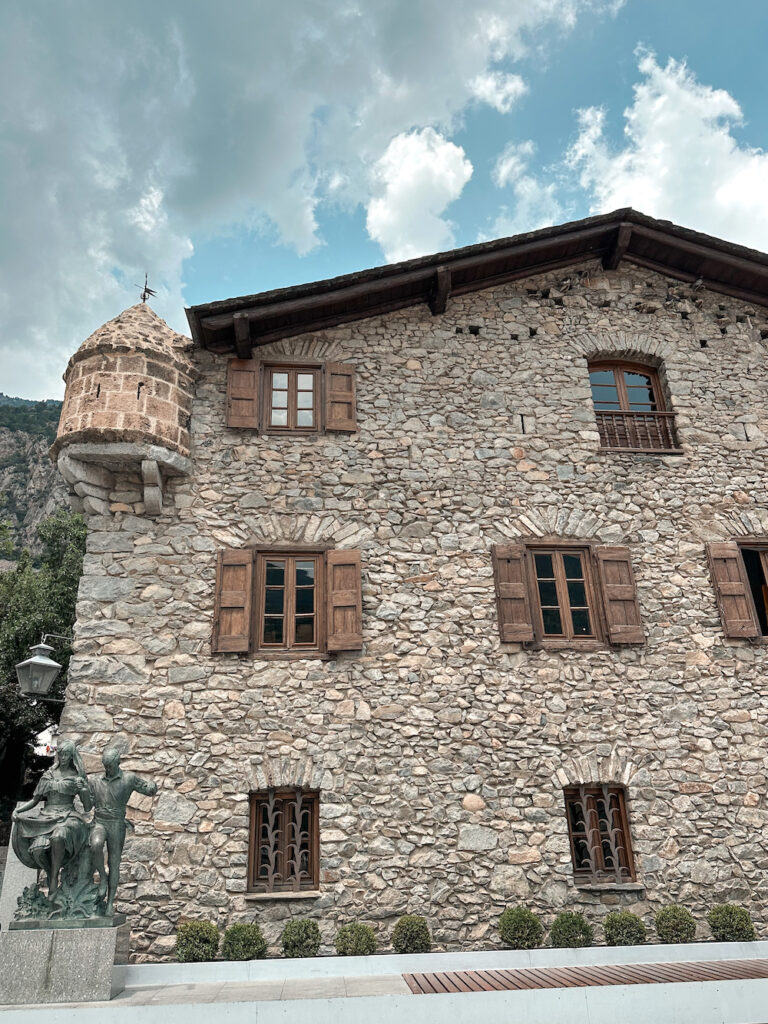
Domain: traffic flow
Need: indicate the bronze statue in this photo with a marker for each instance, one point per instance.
(60, 841)
(56, 837)
(110, 793)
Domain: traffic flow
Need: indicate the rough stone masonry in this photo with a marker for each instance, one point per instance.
(440, 753)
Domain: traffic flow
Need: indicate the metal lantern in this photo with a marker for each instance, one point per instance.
(36, 674)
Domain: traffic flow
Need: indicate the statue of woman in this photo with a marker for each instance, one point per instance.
(54, 837)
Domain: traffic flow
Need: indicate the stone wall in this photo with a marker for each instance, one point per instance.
(440, 753)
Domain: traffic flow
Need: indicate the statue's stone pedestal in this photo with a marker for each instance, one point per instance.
(61, 964)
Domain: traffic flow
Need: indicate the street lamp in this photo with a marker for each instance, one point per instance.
(36, 674)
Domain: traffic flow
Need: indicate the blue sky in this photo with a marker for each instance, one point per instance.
(247, 147)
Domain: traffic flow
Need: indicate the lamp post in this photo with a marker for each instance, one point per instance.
(36, 674)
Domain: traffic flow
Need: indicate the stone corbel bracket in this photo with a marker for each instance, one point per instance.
(92, 470)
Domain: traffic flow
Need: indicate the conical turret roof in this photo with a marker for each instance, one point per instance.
(136, 329)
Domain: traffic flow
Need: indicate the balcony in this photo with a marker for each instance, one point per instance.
(638, 431)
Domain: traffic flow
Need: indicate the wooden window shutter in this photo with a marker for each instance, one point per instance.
(512, 600)
(234, 595)
(344, 601)
(622, 612)
(340, 411)
(732, 590)
(243, 393)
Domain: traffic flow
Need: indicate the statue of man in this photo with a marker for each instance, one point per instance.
(111, 793)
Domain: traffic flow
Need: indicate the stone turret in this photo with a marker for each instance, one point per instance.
(124, 424)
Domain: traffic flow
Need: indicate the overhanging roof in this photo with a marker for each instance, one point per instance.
(239, 324)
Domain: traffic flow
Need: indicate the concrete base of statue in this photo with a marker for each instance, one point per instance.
(62, 962)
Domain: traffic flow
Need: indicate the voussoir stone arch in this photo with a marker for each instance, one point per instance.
(564, 522)
(617, 767)
(739, 522)
(285, 773)
(306, 530)
(307, 346)
(633, 345)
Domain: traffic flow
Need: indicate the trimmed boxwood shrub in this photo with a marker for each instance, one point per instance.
(411, 935)
(520, 928)
(570, 930)
(730, 923)
(196, 941)
(243, 941)
(675, 924)
(623, 928)
(355, 940)
(301, 938)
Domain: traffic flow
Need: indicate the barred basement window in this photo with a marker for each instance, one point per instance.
(284, 841)
(629, 406)
(599, 833)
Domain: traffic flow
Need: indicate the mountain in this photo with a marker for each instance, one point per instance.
(30, 485)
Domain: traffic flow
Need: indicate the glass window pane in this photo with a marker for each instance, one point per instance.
(544, 567)
(279, 417)
(273, 601)
(577, 594)
(305, 573)
(633, 379)
(279, 399)
(605, 394)
(305, 630)
(305, 600)
(275, 574)
(273, 631)
(305, 418)
(580, 619)
(640, 396)
(280, 380)
(305, 399)
(607, 406)
(601, 377)
(305, 381)
(572, 566)
(552, 623)
(548, 593)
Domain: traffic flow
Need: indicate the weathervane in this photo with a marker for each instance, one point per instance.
(146, 291)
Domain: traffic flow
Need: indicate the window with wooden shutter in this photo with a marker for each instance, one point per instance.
(733, 590)
(340, 411)
(344, 601)
(622, 612)
(243, 393)
(512, 600)
(289, 602)
(234, 595)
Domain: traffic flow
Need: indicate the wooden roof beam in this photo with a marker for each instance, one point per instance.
(620, 245)
(441, 290)
(242, 326)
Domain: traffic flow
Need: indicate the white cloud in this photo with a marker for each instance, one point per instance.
(417, 177)
(498, 89)
(680, 160)
(532, 204)
(129, 129)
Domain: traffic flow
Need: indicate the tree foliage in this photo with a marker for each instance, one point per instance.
(33, 601)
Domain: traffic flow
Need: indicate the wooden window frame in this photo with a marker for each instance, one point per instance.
(594, 602)
(661, 413)
(600, 874)
(255, 883)
(760, 545)
(289, 649)
(292, 369)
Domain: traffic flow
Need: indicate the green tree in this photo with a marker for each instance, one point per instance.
(34, 601)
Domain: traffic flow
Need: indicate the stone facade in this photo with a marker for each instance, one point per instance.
(440, 753)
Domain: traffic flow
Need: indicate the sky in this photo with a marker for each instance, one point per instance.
(230, 148)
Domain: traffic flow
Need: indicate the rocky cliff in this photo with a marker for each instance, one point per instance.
(30, 485)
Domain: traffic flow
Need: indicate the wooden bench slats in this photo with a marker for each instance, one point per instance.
(441, 982)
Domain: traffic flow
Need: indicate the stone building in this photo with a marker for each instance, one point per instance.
(435, 588)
